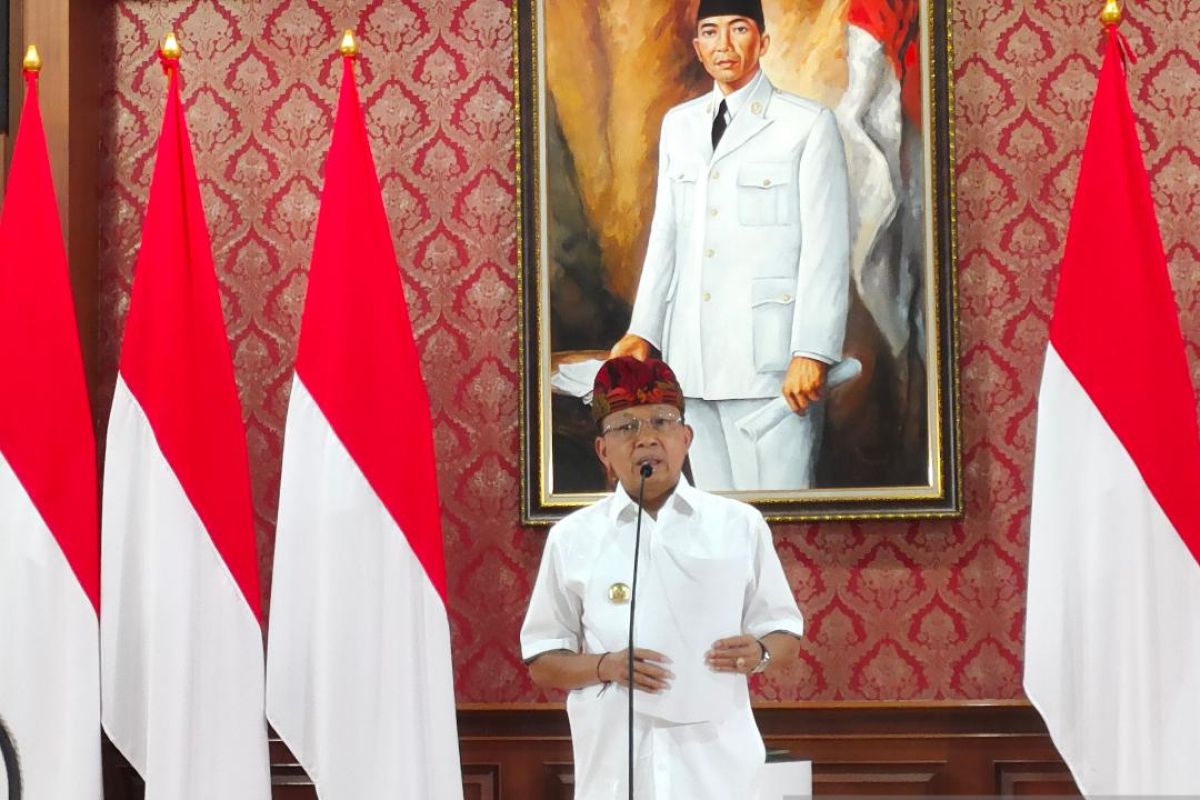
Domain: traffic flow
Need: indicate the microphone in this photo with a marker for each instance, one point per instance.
(646, 471)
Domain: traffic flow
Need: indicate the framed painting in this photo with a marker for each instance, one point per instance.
(810, 239)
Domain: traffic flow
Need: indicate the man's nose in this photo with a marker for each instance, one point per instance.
(646, 436)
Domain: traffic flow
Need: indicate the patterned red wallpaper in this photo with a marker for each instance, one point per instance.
(896, 611)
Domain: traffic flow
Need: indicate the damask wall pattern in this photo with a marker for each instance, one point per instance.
(896, 611)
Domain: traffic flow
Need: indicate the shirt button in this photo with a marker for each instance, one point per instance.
(715, 175)
(767, 182)
(710, 252)
(787, 297)
(707, 297)
(712, 212)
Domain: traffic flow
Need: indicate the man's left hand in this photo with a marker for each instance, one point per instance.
(803, 382)
(735, 654)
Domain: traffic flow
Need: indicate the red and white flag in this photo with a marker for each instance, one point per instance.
(879, 116)
(181, 637)
(359, 678)
(49, 530)
(1112, 633)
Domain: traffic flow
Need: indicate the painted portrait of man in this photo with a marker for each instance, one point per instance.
(739, 187)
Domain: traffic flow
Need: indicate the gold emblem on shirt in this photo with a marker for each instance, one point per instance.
(619, 593)
(756, 108)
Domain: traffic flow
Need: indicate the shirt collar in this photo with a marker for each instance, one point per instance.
(624, 508)
(735, 100)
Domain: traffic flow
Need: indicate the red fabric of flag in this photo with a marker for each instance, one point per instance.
(175, 357)
(45, 420)
(1112, 648)
(1115, 322)
(356, 353)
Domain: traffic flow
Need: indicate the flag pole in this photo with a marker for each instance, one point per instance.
(348, 47)
(1111, 14)
(32, 61)
(170, 49)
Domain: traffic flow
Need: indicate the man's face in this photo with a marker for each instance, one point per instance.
(730, 47)
(654, 435)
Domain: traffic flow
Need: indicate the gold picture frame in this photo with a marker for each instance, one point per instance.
(590, 95)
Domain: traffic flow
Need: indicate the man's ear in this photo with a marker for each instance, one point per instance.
(610, 477)
(764, 44)
(602, 453)
(688, 435)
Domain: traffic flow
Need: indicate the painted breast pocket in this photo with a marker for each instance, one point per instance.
(765, 193)
(683, 179)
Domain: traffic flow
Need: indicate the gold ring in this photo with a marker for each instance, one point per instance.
(739, 662)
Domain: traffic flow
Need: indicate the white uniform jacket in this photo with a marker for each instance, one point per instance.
(748, 259)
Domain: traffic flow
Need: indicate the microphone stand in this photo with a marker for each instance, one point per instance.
(646, 471)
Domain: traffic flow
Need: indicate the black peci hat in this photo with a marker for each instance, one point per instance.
(751, 9)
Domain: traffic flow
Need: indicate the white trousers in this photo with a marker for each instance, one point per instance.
(725, 457)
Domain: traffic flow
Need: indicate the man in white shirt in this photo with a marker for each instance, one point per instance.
(705, 562)
(745, 283)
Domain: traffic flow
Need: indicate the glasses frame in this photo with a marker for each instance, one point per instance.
(662, 424)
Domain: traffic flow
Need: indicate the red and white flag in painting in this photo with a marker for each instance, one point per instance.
(181, 636)
(359, 678)
(880, 119)
(49, 531)
(1112, 633)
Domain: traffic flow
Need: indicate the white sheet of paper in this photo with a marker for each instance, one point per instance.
(685, 604)
(785, 780)
(757, 423)
(576, 379)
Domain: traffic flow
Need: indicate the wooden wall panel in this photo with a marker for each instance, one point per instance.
(891, 749)
(1034, 779)
(481, 781)
(998, 749)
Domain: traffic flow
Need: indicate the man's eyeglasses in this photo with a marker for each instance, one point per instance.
(628, 430)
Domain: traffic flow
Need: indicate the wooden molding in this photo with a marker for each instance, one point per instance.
(996, 748)
(523, 751)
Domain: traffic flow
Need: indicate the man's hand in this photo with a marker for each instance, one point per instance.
(735, 654)
(631, 345)
(647, 674)
(803, 382)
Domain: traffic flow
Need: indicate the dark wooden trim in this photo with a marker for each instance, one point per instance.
(523, 751)
(996, 748)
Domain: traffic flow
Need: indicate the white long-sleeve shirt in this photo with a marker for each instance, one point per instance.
(696, 534)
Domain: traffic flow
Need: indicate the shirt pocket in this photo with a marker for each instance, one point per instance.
(772, 306)
(683, 179)
(764, 193)
(712, 589)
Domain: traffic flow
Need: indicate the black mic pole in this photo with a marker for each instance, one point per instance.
(646, 471)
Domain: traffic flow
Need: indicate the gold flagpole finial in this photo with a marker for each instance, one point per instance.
(349, 46)
(33, 61)
(1111, 15)
(170, 47)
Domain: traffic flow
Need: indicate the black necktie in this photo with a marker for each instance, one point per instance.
(719, 125)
